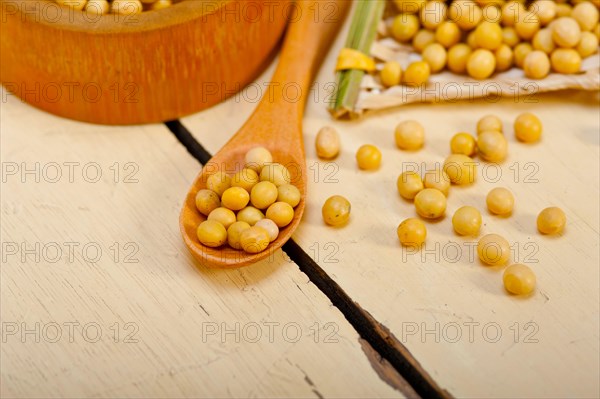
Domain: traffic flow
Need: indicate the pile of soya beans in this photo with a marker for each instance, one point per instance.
(481, 37)
(430, 191)
(122, 7)
(234, 205)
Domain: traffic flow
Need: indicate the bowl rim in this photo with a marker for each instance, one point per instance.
(54, 15)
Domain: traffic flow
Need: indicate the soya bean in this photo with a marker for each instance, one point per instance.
(254, 239)
(463, 143)
(250, 215)
(481, 64)
(404, 27)
(504, 58)
(460, 168)
(566, 32)
(223, 215)
(409, 135)
(281, 213)
(488, 35)
(588, 44)
(435, 55)
(492, 146)
(536, 65)
(391, 74)
(437, 179)
(528, 128)
(493, 250)
(289, 194)
(270, 227)
(519, 279)
(489, 122)
(430, 203)
(234, 233)
(218, 182)
(276, 173)
(412, 232)
(211, 233)
(416, 74)
(447, 34)
(257, 157)
(263, 194)
(235, 198)
(409, 184)
(207, 201)
(551, 220)
(422, 39)
(458, 55)
(466, 221)
(336, 210)
(565, 60)
(586, 15)
(368, 157)
(327, 143)
(500, 201)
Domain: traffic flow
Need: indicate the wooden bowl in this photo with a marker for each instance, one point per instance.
(129, 69)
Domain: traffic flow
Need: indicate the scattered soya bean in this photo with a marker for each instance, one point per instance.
(500, 201)
(492, 146)
(551, 220)
(430, 203)
(528, 127)
(409, 184)
(493, 250)
(466, 221)
(519, 279)
(336, 210)
(412, 232)
(327, 143)
(409, 135)
(368, 157)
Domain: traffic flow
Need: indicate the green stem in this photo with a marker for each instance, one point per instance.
(363, 29)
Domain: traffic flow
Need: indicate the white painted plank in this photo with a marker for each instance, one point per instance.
(176, 321)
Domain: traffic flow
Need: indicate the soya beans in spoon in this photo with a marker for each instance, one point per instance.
(225, 195)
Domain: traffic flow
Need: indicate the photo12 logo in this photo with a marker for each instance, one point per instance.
(69, 331)
(269, 331)
(469, 331)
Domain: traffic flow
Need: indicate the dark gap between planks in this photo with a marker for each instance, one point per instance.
(375, 333)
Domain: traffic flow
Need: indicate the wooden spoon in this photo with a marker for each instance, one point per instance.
(275, 124)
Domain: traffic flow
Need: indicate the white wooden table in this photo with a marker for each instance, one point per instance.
(99, 297)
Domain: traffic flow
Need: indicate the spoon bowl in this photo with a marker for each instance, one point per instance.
(232, 162)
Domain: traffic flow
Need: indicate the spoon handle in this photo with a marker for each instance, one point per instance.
(312, 28)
